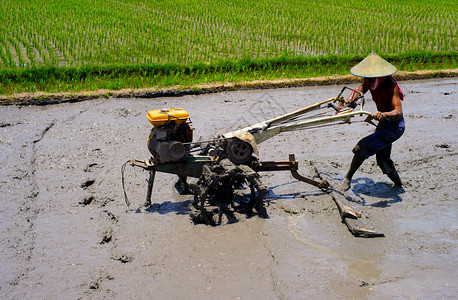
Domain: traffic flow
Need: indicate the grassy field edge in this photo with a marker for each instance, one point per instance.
(42, 98)
(51, 79)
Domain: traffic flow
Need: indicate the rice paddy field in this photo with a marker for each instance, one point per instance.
(70, 45)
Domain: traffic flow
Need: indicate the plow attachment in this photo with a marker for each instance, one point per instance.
(226, 163)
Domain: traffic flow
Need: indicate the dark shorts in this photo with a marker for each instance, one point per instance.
(386, 133)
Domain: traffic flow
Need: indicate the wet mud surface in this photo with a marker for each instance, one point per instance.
(67, 232)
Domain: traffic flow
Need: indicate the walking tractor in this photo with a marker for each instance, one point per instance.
(231, 161)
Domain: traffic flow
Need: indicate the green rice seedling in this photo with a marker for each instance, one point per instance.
(78, 33)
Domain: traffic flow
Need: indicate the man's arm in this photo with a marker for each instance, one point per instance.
(362, 88)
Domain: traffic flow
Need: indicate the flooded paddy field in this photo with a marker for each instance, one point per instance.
(66, 231)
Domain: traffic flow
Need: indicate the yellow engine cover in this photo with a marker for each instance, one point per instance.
(160, 117)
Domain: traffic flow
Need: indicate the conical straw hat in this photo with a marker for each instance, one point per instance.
(373, 66)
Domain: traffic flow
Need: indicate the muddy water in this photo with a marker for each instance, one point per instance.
(67, 233)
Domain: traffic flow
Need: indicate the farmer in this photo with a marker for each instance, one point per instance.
(387, 95)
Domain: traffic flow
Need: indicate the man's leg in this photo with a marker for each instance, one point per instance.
(394, 176)
(356, 162)
(386, 164)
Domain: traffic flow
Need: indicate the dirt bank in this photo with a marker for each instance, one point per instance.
(41, 98)
(67, 233)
